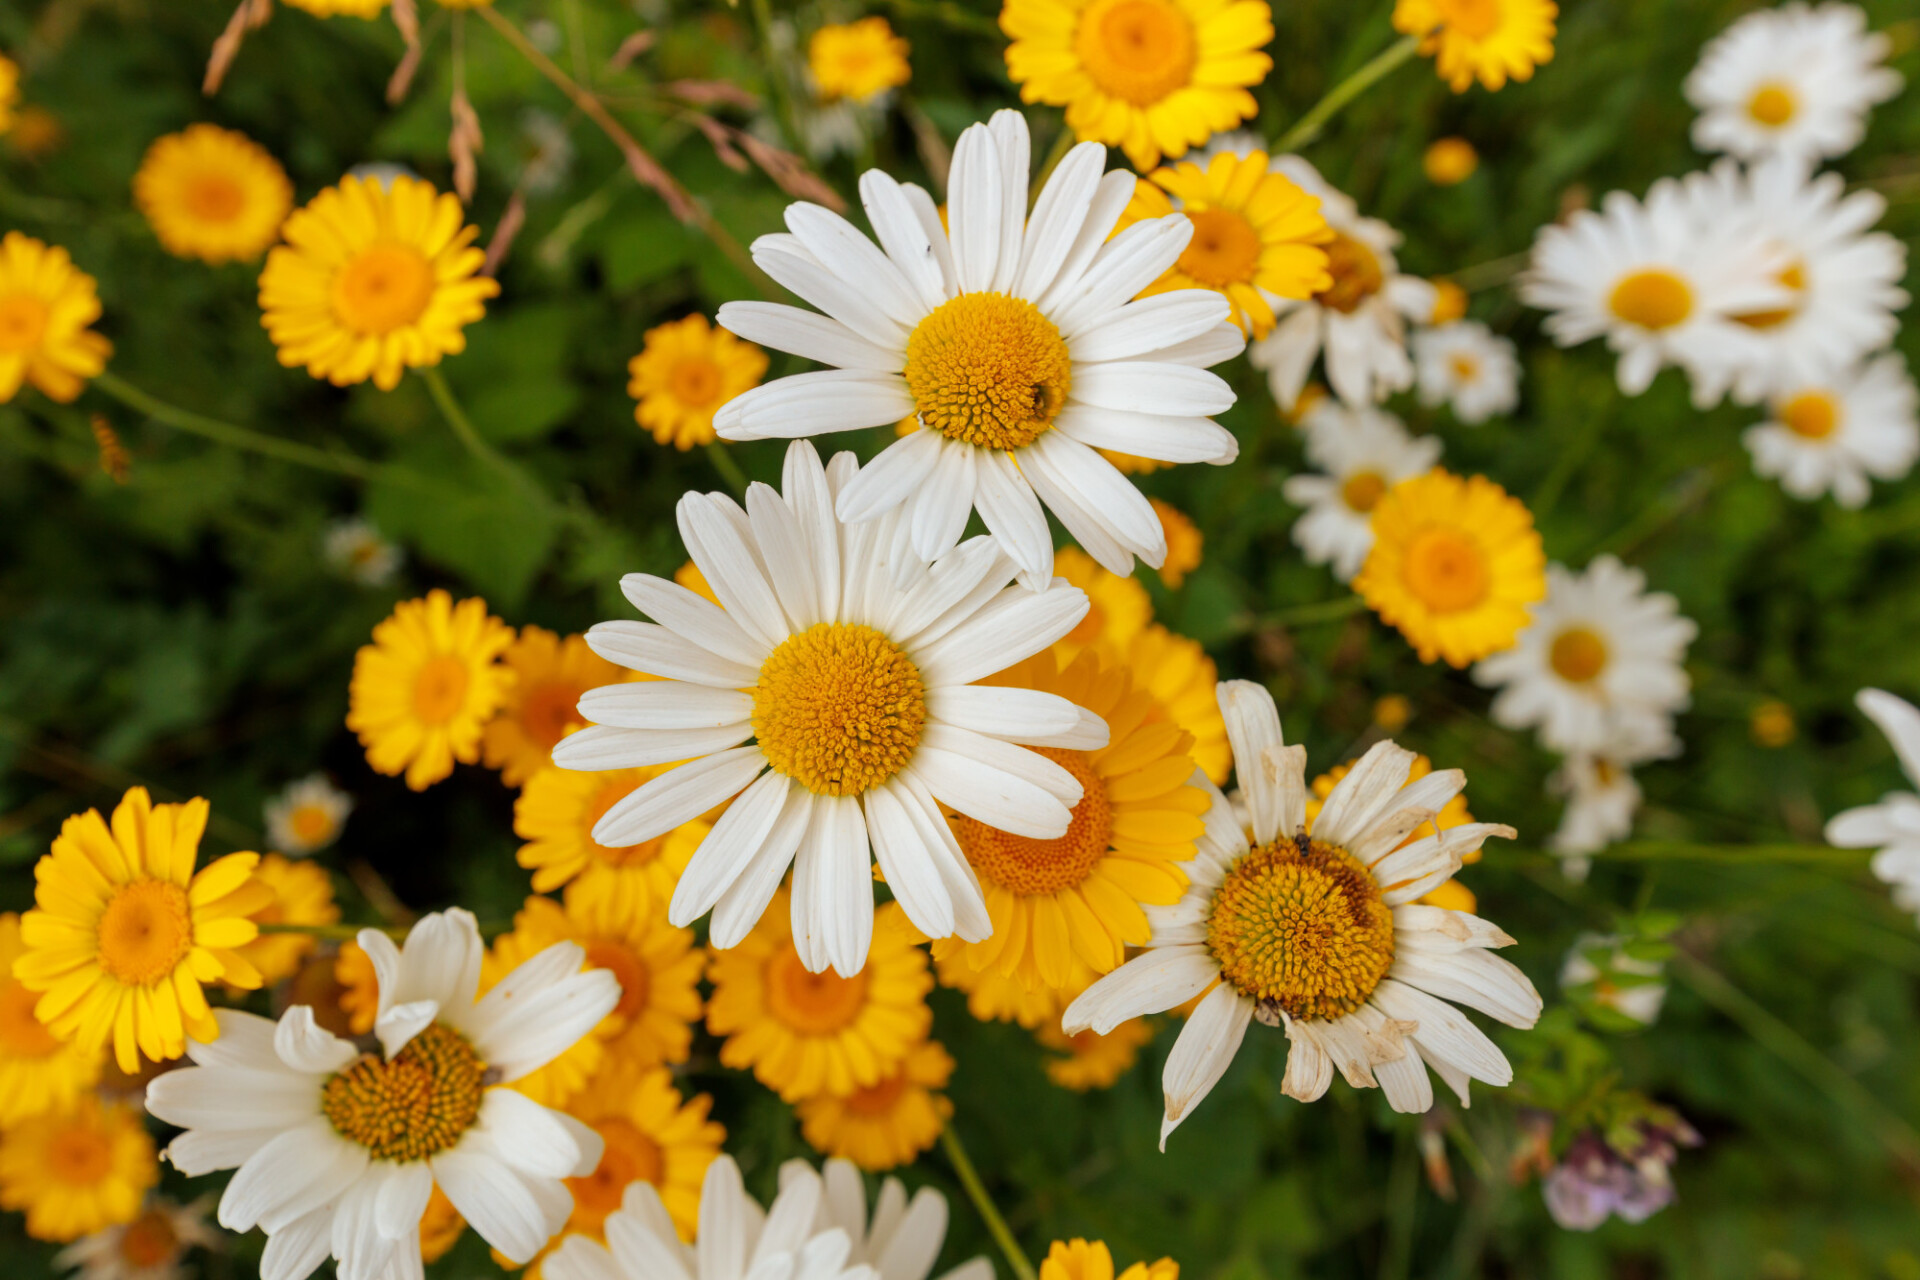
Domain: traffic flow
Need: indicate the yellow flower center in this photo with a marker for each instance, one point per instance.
(988, 369)
(382, 288)
(1811, 415)
(1794, 278)
(813, 1004)
(1465, 368)
(214, 197)
(1577, 655)
(880, 1099)
(631, 1156)
(21, 1034)
(80, 1156)
(1041, 867)
(311, 822)
(149, 1241)
(1474, 19)
(1301, 927)
(1356, 271)
(694, 381)
(626, 856)
(548, 710)
(23, 319)
(1225, 249)
(1653, 299)
(1363, 490)
(145, 931)
(1772, 104)
(1446, 569)
(629, 969)
(839, 708)
(440, 690)
(1136, 50)
(415, 1106)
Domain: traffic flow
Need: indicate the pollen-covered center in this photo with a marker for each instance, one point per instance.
(1772, 105)
(812, 1004)
(1040, 867)
(1652, 299)
(1363, 490)
(23, 319)
(440, 688)
(1577, 655)
(146, 930)
(1811, 415)
(1225, 248)
(1465, 368)
(1446, 569)
(988, 369)
(1301, 927)
(839, 708)
(415, 1106)
(1136, 50)
(1356, 271)
(382, 288)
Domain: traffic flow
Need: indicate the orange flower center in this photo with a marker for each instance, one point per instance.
(631, 1156)
(839, 708)
(149, 1241)
(214, 197)
(79, 1156)
(1356, 271)
(1577, 655)
(440, 690)
(813, 1004)
(145, 932)
(548, 710)
(1811, 415)
(415, 1106)
(618, 958)
(1225, 249)
(1772, 104)
(988, 369)
(21, 1034)
(382, 288)
(312, 823)
(694, 381)
(1474, 19)
(1465, 368)
(23, 319)
(1363, 490)
(1041, 867)
(880, 1099)
(1794, 278)
(1652, 299)
(1136, 50)
(1446, 570)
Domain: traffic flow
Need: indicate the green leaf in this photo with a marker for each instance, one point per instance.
(466, 517)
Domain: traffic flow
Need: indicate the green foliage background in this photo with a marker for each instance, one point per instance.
(182, 630)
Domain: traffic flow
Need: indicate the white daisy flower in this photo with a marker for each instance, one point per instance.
(902, 1238)
(337, 1151)
(1360, 322)
(1837, 437)
(1321, 936)
(354, 549)
(1844, 279)
(1601, 660)
(1640, 1001)
(1467, 367)
(1363, 453)
(150, 1247)
(1013, 341)
(858, 692)
(1893, 825)
(1602, 799)
(1660, 287)
(1794, 81)
(307, 815)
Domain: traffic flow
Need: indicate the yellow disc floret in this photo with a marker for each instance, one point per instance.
(839, 708)
(1577, 655)
(1652, 299)
(414, 1106)
(988, 369)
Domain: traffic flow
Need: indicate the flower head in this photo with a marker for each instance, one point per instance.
(150, 1247)
(651, 1135)
(1467, 367)
(354, 549)
(1362, 454)
(1840, 435)
(46, 304)
(298, 893)
(77, 1170)
(1492, 41)
(212, 194)
(39, 1072)
(1893, 825)
(885, 1124)
(1091, 1260)
(307, 815)
(685, 371)
(550, 673)
(556, 815)
(426, 686)
(857, 60)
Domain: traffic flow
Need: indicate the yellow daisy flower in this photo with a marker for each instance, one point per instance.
(1254, 233)
(805, 1034)
(992, 998)
(212, 194)
(1090, 1060)
(46, 304)
(685, 371)
(341, 8)
(1454, 565)
(1182, 679)
(77, 1170)
(886, 1124)
(1183, 543)
(652, 1136)
(542, 705)
(555, 815)
(1120, 608)
(424, 688)
(1450, 161)
(9, 91)
(377, 276)
(440, 1227)
(1082, 894)
(359, 987)
(301, 894)
(658, 968)
(39, 1072)
(1493, 40)
(126, 931)
(857, 60)
(1091, 1260)
(1152, 77)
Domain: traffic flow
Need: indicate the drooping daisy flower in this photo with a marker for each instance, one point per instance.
(151, 1247)
(685, 371)
(354, 549)
(859, 691)
(1361, 453)
(1602, 660)
(550, 673)
(1322, 936)
(556, 815)
(1090, 1060)
(1256, 236)
(300, 894)
(46, 304)
(77, 1170)
(903, 1237)
(1838, 436)
(212, 194)
(652, 1136)
(857, 60)
(1491, 41)
(805, 1033)
(126, 930)
(1012, 339)
(307, 815)
(39, 1072)
(1659, 286)
(1078, 1259)
(1152, 77)
(1599, 970)
(375, 278)
(1359, 321)
(1794, 80)
(339, 1151)
(1468, 368)
(1602, 799)
(425, 687)
(1455, 563)
(1082, 895)
(1893, 825)
(888, 1123)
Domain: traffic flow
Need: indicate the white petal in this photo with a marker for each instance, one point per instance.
(903, 237)
(910, 870)
(403, 1202)
(1104, 493)
(693, 618)
(993, 796)
(1110, 198)
(1152, 982)
(294, 1251)
(1058, 216)
(1012, 514)
(895, 475)
(812, 404)
(806, 334)
(793, 266)
(1015, 625)
(495, 1201)
(311, 1158)
(1899, 720)
(1123, 267)
(1031, 765)
(603, 747)
(663, 803)
(547, 1021)
(1144, 386)
(1276, 803)
(1013, 715)
(1203, 1053)
(833, 888)
(944, 501)
(1150, 435)
(1009, 130)
(722, 1241)
(666, 704)
(304, 1046)
(653, 649)
(1366, 790)
(840, 247)
(728, 848)
(1148, 324)
(579, 1258)
(530, 1136)
(974, 204)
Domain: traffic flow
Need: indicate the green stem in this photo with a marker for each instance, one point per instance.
(977, 1192)
(776, 73)
(1494, 271)
(1754, 854)
(1565, 465)
(1304, 614)
(1656, 516)
(228, 433)
(1308, 126)
(729, 469)
(350, 932)
(463, 429)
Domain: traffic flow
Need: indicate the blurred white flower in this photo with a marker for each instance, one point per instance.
(1469, 368)
(1363, 452)
(1639, 1001)
(1832, 437)
(355, 549)
(1893, 825)
(307, 815)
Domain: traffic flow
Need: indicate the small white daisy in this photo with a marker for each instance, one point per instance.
(902, 1238)
(1601, 660)
(1469, 368)
(1893, 825)
(1363, 453)
(1794, 81)
(1602, 799)
(1322, 936)
(307, 815)
(546, 151)
(1593, 968)
(337, 1152)
(858, 692)
(150, 1247)
(1837, 437)
(354, 549)
(1013, 340)
(1359, 323)
(1660, 287)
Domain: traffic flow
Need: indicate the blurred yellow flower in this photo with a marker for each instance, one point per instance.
(1119, 608)
(993, 998)
(212, 194)
(38, 1071)
(46, 304)
(1391, 711)
(885, 1124)
(1183, 543)
(301, 894)
(542, 705)
(359, 987)
(685, 371)
(1182, 679)
(1448, 162)
(440, 1227)
(555, 815)
(9, 91)
(857, 60)
(1091, 1260)
(425, 687)
(652, 1136)
(1492, 40)
(77, 1170)
(1771, 724)
(341, 8)
(1090, 1060)
(1449, 303)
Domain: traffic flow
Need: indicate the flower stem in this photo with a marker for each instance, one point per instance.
(729, 469)
(776, 74)
(228, 433)
(462, 425)
(1308, 126)
(1303, 614)
(977, 1192)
